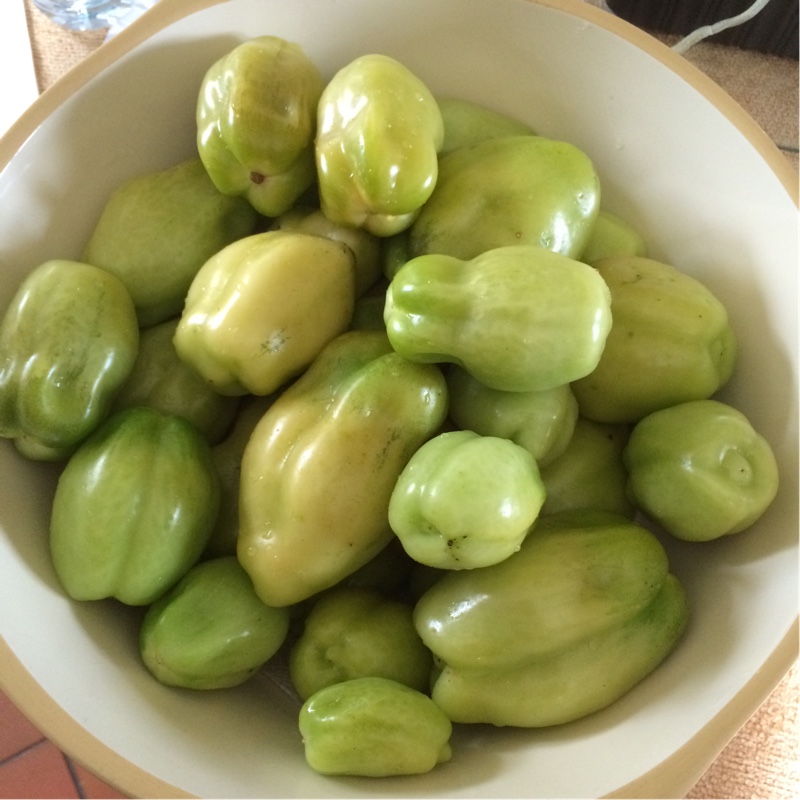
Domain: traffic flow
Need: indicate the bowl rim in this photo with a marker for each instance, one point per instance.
(166, 12)
(678, 772)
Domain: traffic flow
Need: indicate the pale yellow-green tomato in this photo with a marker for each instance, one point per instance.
(612, 236)
(465, 501)
(260, 310)
(518, 319)
(160, 379)
(542, 421)
(509, 190)
(256, 116)
(671, 342)
(157, 229)
(353, 632)
(379, 131)
(590, 473)
(373, 727)
(467, 123)
(574, 682)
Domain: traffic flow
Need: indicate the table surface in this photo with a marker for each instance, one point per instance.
(763, 760)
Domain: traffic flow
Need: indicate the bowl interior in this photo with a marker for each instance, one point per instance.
(676, 158)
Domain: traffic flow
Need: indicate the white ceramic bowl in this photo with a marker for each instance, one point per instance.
(676, 157)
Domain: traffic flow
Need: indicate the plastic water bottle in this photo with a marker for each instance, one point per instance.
(85, 15)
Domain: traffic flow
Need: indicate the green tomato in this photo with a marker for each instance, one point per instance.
(542, 422)
(671, 342)
(210, 631)
(467, 123)
(578, 681)
(158, 229)
(465, 500)
(134, 508)
(378, 134)
(373, 727)
(512, 190)
(518, 319)
(700, 470)
(299, 296)
(590, 473)
(320, 466)
(612, 236)
(256, 117)
(353, 632)
(227, 457)
(576, 575)
(161, 380)
(68, 342)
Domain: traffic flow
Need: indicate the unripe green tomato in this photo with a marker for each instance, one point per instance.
(519, 319)
(211, 631)
(511, 190)
(161, 380)
(589, 676)
(671, 342)
(612, 236)
(542, 422)
(700, 470)
(467, 123)
(68, 342)
(465, 500)
(260, 310)
(379, 131)
(134, 508)
(256, 117)
(355, 633)
(590, 473)
(227, 457)
(577, 574)
(156, 231)
(373, 727)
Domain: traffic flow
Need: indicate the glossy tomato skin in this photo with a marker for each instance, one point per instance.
(379, 131)
(671, 342)
(256, 116)
(465, 501)
(134, 508)
(68, 343)
(210, 631)
(701, 470)
(373, 727)
(518, 318)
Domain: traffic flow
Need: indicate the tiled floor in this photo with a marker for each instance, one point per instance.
(33, 767)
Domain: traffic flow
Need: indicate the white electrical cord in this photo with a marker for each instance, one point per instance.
(709, 30)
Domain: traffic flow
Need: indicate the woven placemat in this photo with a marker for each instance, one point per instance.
(763, 761)
(56, 50)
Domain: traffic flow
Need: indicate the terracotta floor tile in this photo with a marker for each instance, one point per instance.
(40, 772)
(16, 731)
(92, 787)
